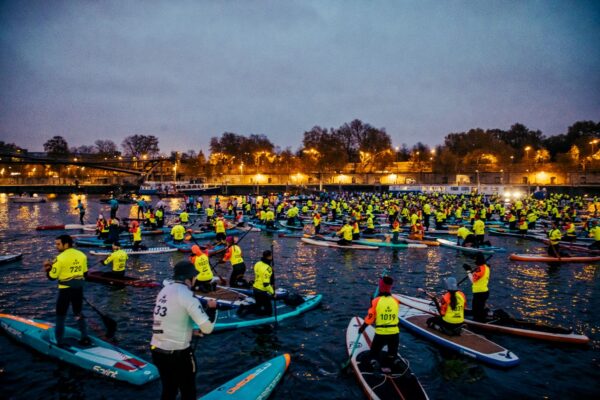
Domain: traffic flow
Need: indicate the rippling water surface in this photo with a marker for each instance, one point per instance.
(568, 295)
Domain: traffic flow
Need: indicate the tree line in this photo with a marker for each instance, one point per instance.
(331, 149)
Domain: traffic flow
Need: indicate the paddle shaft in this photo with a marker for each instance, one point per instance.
(109, 323)
(274, 293)
(223, 281)
(354, 346)
(476, 269)
(434, 298)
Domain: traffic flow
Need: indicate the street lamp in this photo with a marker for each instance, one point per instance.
(527, 152)
(592, 143)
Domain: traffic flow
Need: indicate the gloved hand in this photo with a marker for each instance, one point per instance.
(211, 313)
(362, 328)
(467, 267)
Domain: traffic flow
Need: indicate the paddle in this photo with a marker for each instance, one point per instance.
(222, 280)
(467, 277)
(433, 297)
(355, 344)
(274, 293)
(109, 323)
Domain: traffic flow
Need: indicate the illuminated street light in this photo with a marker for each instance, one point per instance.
(592, 143)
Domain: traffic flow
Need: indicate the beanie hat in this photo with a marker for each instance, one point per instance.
(451, 284)
(385, 284)
(184, 270)
(479, 259)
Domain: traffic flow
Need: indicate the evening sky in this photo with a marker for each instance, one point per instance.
(189, 70)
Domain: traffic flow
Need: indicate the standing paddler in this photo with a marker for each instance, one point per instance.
(238, 267)
(263, 284)
(81, 209)
(383, 315)
(175, 310)
(69, 268)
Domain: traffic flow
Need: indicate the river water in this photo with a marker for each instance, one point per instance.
(568, 295)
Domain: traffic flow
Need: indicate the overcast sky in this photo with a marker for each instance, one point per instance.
(186, 71)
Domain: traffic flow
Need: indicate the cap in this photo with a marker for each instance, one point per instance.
(479, 259)
(229, 239)
(267, 254)
(385, 284)
(116, 243)
(184, 270)
(196, 250)
(451, 283)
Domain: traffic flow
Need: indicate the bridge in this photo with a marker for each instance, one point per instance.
(141, 168)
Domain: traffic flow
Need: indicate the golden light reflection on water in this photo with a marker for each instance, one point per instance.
(73, 203)
(29, 215)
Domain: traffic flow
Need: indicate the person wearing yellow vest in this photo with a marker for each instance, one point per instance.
(263, 284)
(396, 228)
(238, 267)
(119, 261)
(468, 238)
(151, 218)
(523, 226)
(346, 234)
(416, 231)
(220, 229)
(440, 216)
(595, 233)
(512, 221)
(184, 217)
(317, 223)
(370, 225)
(210, 213)
(355, 230)
(178, 232)
(383, 315)
(270, 218)
(479, 231)
(136, 235)
(451, 308)
(69, 268)
(160, 217)
(554, 236)
(479, 277)
(102, 227)
(570, 234)
(426, 215)
(204, 279)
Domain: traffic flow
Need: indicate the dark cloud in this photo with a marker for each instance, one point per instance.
(189, 70)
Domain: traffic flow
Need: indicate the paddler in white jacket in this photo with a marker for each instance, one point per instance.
(175, 312)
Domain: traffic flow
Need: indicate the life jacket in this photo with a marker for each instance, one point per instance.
(384, 314)
(555, 236)
(178, 232)
(202, 265)
(453, 315)
(236, 255)
(68, 268)
(262, 277)
(119, 260)
(137, 234)
(481, 278)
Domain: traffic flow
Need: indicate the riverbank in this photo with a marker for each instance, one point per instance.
(580, 190)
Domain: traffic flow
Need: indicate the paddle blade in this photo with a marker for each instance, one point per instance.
(111, 326)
